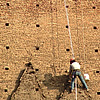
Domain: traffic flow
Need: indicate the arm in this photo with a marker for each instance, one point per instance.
(70, 70)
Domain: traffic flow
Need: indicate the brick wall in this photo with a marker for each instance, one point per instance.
(35, 31)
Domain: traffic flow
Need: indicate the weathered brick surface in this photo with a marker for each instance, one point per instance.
(52, 37)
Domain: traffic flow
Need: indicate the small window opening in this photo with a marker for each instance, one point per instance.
(6, 90)
(98, 93)
(7, 47)
(67, 49)
(37, 25)
(95, 27)
(67, 6)
(97, 71)
(94, 7)
(7, 4)
(37, 5)
(96, 50)
(37, 48)
(7, 24)
(66, 26)
(6, 68)
(36, 69)
(37, 89)
(66, 71)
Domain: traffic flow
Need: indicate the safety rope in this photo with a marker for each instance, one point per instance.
(69, 28)
(70, 43)
(76, 87)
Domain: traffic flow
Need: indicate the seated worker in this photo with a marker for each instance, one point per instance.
(75, 71)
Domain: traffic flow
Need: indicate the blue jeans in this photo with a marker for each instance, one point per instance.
(78, 73)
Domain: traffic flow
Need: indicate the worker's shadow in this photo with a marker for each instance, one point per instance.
(57, 82)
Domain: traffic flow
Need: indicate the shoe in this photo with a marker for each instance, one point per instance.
(87, 90)
(71, 91)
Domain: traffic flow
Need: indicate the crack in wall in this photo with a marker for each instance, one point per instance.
(29, 70)
(41, 92)
(17, 84)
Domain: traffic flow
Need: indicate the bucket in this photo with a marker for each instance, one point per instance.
(86, 76)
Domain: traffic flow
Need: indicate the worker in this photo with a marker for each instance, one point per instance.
(75, 71)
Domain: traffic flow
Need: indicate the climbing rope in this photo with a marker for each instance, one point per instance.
(69, 28)
(76, 87)
(70, 43)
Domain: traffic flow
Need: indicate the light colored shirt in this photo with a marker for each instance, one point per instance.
(74, 66)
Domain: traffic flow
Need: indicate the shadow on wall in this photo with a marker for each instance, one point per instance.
(57, 82)
(29, 70)
(17, 84)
